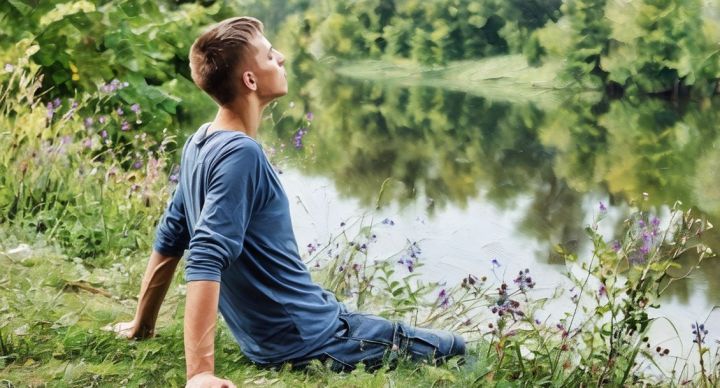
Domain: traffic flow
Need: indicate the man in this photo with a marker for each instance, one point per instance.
(230, 211)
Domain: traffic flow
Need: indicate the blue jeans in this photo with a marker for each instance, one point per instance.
(373, 340)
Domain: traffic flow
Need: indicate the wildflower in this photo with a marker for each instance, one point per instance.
(602, 291)
(408, 262)
(173, 178)
(603, 208)
(50, 110)
(119, 111)
(342, 224)
(495, 262)
(309, 116)
(56, 103)
(88, 122)
(102, 119)
(699, 333)
(291, 104)
(9, 68)
(135, 108)
(616, 246)
(88, 143)
(413, 250)
(524, 281)
(311, 248)
(444, 298)
(125, 126)
(138, 164)
(297, 139)
(388, 221)
(103, 134)
(356, 267)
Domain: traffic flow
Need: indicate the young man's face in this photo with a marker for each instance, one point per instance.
(267, 66)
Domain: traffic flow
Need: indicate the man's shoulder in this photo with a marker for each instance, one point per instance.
(238, 145)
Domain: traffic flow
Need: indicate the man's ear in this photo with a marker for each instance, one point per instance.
(249, 80)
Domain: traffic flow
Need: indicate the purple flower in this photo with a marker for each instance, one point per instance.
(138, 164)
(444, 298)
(413, 250)
(88, 122)
(103, 134)
(388, 221)
(524, 280)
(603, 208)
(311, 248)
(102, 119)
(50, 110)
(699, 333)
(56, 103)
(9, 68)
(309, 116)
(125, 126)
(616, 246)
(297, 139)
(135, 108)
(173, 178)
(119, 111)
(495, 262)
(408, 262)
(88, 143)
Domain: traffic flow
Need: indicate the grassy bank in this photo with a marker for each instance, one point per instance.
(82, 190)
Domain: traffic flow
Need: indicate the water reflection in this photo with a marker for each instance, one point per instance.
(445, 148)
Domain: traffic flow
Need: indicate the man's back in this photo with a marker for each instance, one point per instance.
(239, 232)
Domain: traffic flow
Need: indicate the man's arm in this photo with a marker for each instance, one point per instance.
(155, 283)
(200, 319)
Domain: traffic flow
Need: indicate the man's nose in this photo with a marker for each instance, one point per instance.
(281, 59)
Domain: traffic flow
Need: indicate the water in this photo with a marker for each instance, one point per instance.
(475, 179)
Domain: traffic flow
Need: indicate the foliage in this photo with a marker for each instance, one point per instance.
(81, 45)
(67, 177)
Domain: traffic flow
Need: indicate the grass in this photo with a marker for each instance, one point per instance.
(52, 310)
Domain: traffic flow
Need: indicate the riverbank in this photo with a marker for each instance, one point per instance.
(501, 78)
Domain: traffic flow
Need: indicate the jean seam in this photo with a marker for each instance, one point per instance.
(344, 364)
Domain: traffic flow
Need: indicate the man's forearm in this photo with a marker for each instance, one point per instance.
(155, 283)
(200, 319)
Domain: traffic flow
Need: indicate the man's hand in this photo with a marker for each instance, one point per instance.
(155, 283)
(207, 380)
(129, 330)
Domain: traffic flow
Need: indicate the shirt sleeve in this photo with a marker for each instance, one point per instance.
(231, 195)
(172, 235)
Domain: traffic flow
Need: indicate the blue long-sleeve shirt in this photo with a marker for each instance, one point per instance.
(230, 210)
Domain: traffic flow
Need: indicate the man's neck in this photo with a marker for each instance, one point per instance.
(242, 115)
